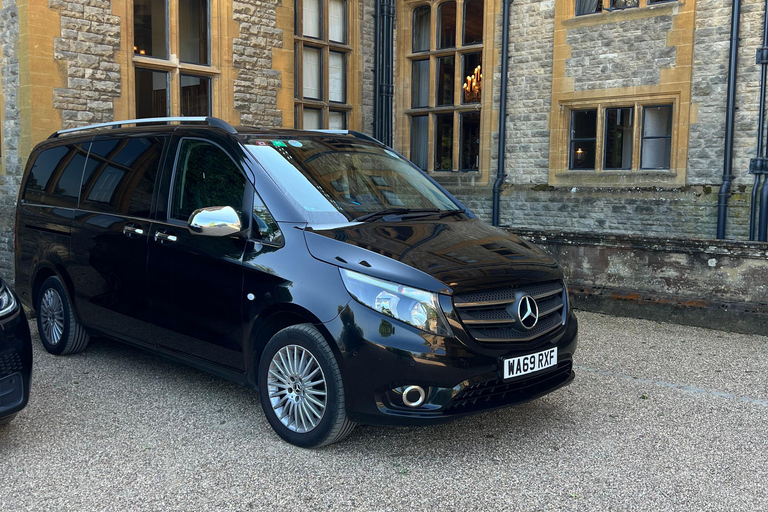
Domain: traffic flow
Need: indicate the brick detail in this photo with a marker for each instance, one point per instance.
(90, 36)
(625, 54)
(11, 132)
(257, 84)
(529, 96)
(689, 212)
(367, 46)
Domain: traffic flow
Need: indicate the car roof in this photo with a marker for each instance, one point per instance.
(161, 125)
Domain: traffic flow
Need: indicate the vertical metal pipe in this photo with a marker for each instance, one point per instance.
(376, 61)
(730, 109)
(383, 72)
(388, 71)
(753, 207)
(762, 229)
(501, 172)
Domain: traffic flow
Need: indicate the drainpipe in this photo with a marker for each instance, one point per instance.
(725, 188)
(383, 71)
(376, 45)
(500, 173)
(759, 166)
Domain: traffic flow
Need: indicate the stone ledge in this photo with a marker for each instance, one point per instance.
(747, 318)
(719, 284)
(734, 248)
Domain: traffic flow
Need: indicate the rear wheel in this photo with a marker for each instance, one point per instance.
(301, 390)
(57, 326)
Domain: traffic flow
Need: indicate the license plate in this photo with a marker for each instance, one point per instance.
(523, 365)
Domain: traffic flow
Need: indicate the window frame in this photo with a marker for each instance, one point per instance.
(246, 203)
(606, 7)
(643, 138)
(605, 137)
(404, 79)
(594, 139)
(326, 47)
(173, 66)
(560, 172)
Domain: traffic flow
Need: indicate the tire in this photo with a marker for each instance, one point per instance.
(300, 355)
(7, 419)
(57, 326)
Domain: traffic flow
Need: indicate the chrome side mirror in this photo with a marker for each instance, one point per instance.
(214, 221)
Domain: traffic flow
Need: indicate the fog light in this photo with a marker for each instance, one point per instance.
(414, 396)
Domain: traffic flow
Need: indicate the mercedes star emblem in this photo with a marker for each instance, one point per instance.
(528, 312)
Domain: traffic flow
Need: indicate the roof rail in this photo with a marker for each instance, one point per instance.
(214, 122)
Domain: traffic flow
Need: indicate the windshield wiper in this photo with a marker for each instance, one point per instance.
(396, 211)
(450, 213)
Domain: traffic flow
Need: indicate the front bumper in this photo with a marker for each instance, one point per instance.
(380, 358)
(15, 364)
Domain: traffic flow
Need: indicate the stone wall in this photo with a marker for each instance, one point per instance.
(710, 75)
(90, 36)
(367, 46)
(689, 212)
(11, 132)
(529, 93)
(713, 283)
(624, 54)
(257, 83)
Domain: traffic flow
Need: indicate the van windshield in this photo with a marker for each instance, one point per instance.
(338, 180)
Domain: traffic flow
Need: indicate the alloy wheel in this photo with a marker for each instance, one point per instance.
(52, 316)
(297, 388)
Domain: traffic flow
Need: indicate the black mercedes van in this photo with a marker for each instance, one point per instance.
(321, 268)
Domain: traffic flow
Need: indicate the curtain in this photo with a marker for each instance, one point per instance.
(586, 6)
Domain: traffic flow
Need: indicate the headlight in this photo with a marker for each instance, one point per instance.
(7, 302)
(419, 308)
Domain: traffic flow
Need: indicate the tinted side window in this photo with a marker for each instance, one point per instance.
(55, 175)
(265, 223)
(205, 176)
(120, 175)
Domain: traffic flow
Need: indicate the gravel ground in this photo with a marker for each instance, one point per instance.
(660, 417)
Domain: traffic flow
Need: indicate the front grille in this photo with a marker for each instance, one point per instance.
(492, 393)
(492, 316)
(10, 363)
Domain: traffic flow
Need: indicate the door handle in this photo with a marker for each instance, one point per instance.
(132, 230)
(162, 236)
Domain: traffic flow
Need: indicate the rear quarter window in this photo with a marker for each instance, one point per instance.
(120, 175)
(55, 176)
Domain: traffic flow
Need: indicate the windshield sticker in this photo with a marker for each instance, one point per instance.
(295, 143)
(260, 143)
(278, 143)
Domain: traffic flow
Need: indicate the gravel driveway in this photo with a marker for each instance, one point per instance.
(660, 417)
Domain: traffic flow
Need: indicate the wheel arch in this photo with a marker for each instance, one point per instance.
(273, 321)
(45, 270)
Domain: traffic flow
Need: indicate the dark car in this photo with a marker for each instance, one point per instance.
(322, 268)
(15, 355)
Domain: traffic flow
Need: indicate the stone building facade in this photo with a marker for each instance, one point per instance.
(619, 64)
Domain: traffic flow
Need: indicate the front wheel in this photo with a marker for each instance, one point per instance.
(301, 390)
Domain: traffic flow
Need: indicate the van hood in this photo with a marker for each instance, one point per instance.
(450, 255)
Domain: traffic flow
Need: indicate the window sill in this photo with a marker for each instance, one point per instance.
(159, 64)
(630, 13)
(644, 178)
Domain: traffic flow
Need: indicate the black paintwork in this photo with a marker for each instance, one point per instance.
(15, 361)
(213, 303)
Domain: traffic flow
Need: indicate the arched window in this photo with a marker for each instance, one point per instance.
(473, 22)
(446, 28)
(421, 26)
